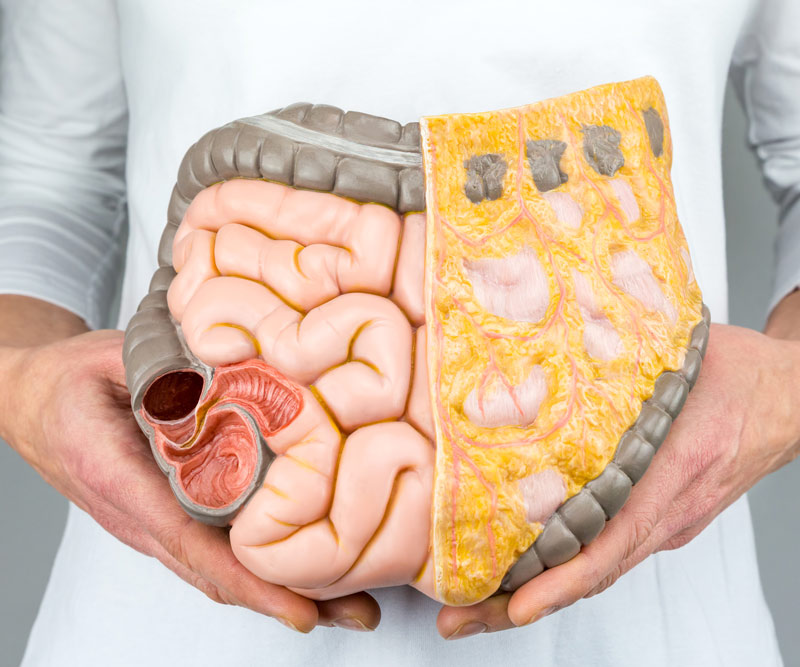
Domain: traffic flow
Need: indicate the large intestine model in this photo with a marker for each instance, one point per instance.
(370, 391)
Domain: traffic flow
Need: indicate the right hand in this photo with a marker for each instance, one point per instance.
(66, 410)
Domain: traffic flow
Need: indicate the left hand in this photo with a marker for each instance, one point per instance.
(739, 424)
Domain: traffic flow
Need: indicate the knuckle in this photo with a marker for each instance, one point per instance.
(689, 518)
(91, 473)
(701, 457)
(105, 486)
(643, 522)
(174, 541)
(589, 573)
(714, 446)
(698, 504)
(594, 574)
(703, 504)
(210, 590)
(679, 540)
(605, 583)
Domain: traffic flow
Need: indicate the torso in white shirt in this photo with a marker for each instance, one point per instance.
(191, 65)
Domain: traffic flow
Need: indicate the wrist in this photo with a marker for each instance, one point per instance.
(12, 374)
(779, 387)
(784, 320)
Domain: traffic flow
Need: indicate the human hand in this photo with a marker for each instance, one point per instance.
(65, 408)
(737, 425)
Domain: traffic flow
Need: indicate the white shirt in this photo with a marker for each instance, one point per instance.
(99, 102)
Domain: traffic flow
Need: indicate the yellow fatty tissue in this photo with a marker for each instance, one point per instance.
(480, 525)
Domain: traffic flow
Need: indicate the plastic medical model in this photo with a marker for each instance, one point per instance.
(437, 354)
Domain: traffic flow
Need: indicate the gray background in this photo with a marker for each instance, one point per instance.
(33, 521)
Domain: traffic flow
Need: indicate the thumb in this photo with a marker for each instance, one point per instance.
(597, 564)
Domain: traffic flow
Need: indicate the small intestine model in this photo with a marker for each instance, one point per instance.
(437, 354)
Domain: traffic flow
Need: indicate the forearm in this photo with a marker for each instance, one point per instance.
(27, 322)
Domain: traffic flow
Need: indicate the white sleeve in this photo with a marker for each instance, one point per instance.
(765, 71)
(63, 127)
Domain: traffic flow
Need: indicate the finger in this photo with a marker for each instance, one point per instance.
(204, 550)
(685, 536)
(487, 616)
(213, 568)
(190, 577)
(353, 612)
(565, 584)
(664, 536)
(358, 612)
(624, 543)
(131, 534)
(647, 547)
(688, 514)
(659, 506)
(207, 552)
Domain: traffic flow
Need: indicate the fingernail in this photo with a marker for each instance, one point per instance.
(287, 623)
(541, 614)
(349, 623)
(468, 629)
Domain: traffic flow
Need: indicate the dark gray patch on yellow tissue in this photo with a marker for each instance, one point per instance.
(544, 157)
(485, 175)
(601, 149)
(655, 130)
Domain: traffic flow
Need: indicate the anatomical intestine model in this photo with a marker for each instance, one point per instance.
(437, 354)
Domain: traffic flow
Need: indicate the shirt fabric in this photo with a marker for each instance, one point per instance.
(100, 100)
